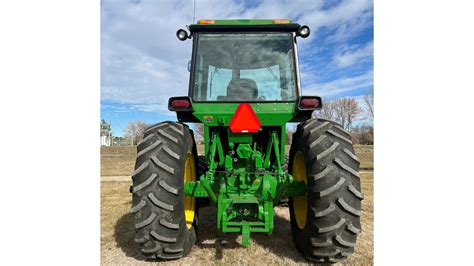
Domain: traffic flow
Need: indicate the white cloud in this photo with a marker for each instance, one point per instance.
(342, 15)
(352, 27)
(143, 63)
(152, 108)
(352, 55)
(163, 108)
(341, 86)
(130, 75)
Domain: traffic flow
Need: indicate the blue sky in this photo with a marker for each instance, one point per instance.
(143, 63)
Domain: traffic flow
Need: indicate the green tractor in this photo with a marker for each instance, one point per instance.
(244, 88)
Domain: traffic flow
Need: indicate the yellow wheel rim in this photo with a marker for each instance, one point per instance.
(300, 204)
(189, 202)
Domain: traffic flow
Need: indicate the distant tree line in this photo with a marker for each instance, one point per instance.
(363, 134)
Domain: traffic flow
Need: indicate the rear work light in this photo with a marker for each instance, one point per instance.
(182, 35)
(179, 104)
(304, 31)
(309, 103)
(206, 21)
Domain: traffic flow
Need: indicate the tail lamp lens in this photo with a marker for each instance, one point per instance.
(309, 103)
(180, 103)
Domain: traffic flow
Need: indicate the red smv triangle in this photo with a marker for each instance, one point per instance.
(244, 120)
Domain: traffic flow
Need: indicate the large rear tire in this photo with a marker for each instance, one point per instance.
(326, 221)
(165, 219)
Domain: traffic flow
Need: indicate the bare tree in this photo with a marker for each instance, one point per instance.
(328, 111)
(347, 111)
(369, 105)
(135, 130)
(344, 111)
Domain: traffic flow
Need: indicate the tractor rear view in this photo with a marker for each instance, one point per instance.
(245, 87)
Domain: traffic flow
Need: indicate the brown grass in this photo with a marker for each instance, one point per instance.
(365, 153)
(118, 246)
(117, 161)
(120, 161)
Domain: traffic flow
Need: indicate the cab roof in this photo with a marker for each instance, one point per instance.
(244, 25)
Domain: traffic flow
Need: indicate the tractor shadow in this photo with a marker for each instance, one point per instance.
(124, 234)
(280, 242)
(208, 237)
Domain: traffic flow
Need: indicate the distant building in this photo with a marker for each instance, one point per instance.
(105, 133)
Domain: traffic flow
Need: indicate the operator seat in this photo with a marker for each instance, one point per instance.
(241, 89)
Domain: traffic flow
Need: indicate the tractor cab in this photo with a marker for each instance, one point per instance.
(244, 67)
(245, 61)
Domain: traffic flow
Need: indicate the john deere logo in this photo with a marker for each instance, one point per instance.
(207, 118)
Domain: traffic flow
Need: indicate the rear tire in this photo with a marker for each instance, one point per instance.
(165, 156)
(332, 221)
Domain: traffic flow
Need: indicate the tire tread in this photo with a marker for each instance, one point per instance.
(334, 194)
(157, 199)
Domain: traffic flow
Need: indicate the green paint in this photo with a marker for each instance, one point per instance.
(247, 189)
(268, 113)
(244, 150)
(240, 137)
(245, 178)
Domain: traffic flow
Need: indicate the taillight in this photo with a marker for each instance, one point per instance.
(180, 104)
(308, 103)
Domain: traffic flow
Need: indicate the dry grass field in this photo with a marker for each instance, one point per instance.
(118, 246)
(365, 153)
(117, 230)
(119, 161)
